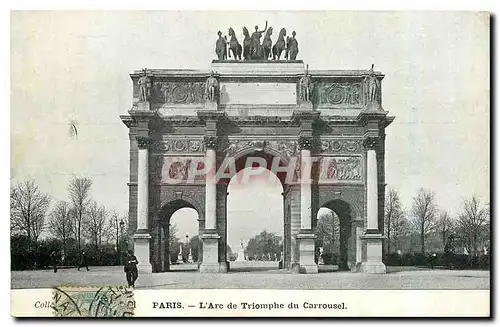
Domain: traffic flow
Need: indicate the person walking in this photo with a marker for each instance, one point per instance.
(53, 260)
(83, 261)
(130, 269)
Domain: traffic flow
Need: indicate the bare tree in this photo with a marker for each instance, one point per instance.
(424, 212)
(79, 193)
(28, 207)
(471, 225)
(61, 223)
(394, 217)
(96, 224)
(328, 230)
(444, 227)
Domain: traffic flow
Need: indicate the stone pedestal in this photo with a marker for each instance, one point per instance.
(141, 251)
(143, 106)
(306, 253)
(373, 263)
(241, 256)
(210, 262)
(306, 106)
(211, 105)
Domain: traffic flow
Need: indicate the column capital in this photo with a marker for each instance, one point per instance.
(143, 142)
(370, 142)
(305, 142)
(211, 141)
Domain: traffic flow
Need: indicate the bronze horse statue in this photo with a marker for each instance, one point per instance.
(247, 44)
(280, 45)
(267, 44)
(234, 45)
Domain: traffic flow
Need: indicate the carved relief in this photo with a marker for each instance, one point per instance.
(181, 169)
(178, 146)
(341, 146)
(343, 94)
(286, 147)
(178, 92)
(340, 169)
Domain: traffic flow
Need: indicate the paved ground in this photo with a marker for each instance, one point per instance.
(265, 276)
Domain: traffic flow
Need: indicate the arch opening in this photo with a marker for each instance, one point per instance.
(334, 235)
(179, 242)
(255, 227)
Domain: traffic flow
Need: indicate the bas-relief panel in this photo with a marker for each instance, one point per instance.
(344, 94)
(178, 92)
(336, 169)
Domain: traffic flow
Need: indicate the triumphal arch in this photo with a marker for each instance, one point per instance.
(321, 132)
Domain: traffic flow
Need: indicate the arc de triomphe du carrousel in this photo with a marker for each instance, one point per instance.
(321, 132)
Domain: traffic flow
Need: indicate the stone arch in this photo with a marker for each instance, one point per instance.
(267, 153)
(344, 212)
(167, 208)
(183, 201)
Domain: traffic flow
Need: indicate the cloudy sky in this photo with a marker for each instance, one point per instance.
(74, 66)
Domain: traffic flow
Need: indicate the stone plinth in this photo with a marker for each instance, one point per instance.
(306, 253)
(373, 263)
(141, 251)
(210, 262)
(143, 106)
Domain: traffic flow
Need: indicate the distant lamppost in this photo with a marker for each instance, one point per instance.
(117, 240)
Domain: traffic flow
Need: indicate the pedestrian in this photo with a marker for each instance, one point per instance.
(83, 261)
(130, 269)
(53, 260)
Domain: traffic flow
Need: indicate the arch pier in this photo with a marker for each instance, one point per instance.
(190, 131)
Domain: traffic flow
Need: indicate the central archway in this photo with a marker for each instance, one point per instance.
(255, 213)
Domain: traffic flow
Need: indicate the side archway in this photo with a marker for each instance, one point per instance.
(162, 256)
(342, 225)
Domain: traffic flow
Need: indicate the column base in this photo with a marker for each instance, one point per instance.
(143, 106)
(211, 105)
(211, 262)
(373, 263)
(306, 253)
(141, 252)
(306, 106)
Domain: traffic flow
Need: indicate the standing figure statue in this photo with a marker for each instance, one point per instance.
(280, 45)
(247, 44)
(267, 44)
(221, 47)
(144, 83)
(211, 88)
(234, 45)
(305, 87)
(292, 48)
(256, 49)
(372, 89)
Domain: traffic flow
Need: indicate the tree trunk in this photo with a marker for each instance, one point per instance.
(422, 240)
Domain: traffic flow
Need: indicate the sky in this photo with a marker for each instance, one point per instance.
(74, 66)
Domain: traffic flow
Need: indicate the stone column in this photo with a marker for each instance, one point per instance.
(373, 237)
(306, 236)
(210, 236)
(142, 236)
